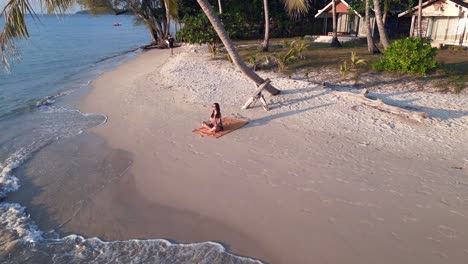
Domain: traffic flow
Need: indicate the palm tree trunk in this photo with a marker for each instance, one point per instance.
(219, 28)
(419, 18)
(385, 11)
(167, 21)
(370, 42)
(266, 40)
(334, 42)
(151, 29)
(380, 25)
(220, 7)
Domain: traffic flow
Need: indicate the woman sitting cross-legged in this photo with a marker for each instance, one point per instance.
(215, 124)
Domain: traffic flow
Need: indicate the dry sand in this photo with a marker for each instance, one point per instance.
(318, 179)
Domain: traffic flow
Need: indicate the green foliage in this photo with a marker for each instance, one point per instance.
(152, 13)
(295, 51)
(343, 69)
(97, 7)
(198, 29)
(253, 61)
(298, 47)
(409, 55)
(458, 84)
(356, 61)
(283, 59)
(353, 66)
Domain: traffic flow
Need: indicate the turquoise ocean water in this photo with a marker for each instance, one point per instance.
(61, 58)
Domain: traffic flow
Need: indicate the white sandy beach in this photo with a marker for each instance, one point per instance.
(318, 179)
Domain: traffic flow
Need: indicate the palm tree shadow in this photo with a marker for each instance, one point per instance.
(281, 104)
(387, 82)
(398, 103)
(265, 120)
(301, 90)
(443, 114)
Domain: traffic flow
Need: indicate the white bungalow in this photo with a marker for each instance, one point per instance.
(444, 22)
(349, 21)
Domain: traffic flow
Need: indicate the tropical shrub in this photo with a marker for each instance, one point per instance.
(253, 61)
(283, 59)
(298, 47)
(409, 55)
(353, 66)
(198, 29)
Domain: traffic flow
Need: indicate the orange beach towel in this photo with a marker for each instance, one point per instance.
(229, 125)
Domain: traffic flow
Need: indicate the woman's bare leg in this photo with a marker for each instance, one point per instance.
(206, 125)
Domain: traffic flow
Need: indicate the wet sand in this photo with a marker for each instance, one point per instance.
(277, 190)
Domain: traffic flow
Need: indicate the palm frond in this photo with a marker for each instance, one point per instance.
(356, 60)
(15, 26)
(296, 8)
(96, 7)
(57, 6)
(173, 7)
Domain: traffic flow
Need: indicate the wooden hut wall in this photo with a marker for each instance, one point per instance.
(362, 27)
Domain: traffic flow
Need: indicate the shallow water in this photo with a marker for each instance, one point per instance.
(61, 58)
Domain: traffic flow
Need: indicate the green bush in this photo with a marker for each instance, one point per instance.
(198, 30)
(409, 55)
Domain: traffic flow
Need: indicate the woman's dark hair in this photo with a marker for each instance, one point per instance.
(218, 111)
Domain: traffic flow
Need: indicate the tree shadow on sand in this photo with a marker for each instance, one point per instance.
(443, 114)
(367, 85)
(265, 120)
(388, 82)
(301, 90)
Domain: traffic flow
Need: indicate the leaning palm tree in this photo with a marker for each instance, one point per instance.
(235, 57)
(380, 25)
(291, 5)
(15, 27)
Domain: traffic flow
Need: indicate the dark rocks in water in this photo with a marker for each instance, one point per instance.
(46, 101)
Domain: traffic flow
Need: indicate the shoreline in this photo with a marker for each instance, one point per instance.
(309, 181)
(261, 165)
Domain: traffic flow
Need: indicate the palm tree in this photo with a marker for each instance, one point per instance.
(370, 42)
(15, 23)
(335, 42)
(148, 10)
(236, 59)
(419, 18)
(294, 7)
(220, 7)
(172, 11)
(266, 40)
(380, 25)
(15, 27)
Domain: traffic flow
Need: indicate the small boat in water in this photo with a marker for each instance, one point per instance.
(117, 24)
